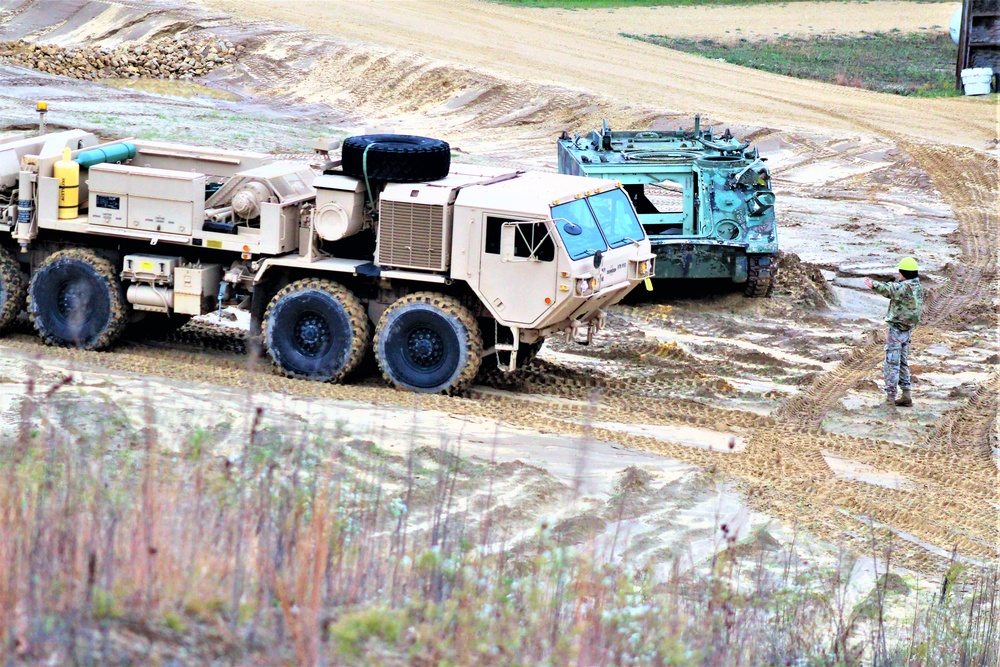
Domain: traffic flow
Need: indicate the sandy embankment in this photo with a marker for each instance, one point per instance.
(585, 50)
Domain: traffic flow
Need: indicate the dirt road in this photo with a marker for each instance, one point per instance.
(584, 50)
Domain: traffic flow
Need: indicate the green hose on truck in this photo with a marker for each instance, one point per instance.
(113, 153)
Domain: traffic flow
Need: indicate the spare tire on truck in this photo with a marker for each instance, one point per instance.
(399, 158)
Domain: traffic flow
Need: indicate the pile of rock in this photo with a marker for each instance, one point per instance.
(168, 58)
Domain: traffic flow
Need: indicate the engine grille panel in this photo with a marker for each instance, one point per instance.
(412, 236)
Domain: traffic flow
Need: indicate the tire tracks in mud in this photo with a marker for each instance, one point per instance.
(782, 470)
(948, 494)
(960, 485)
(950, 476)
(952, 467)
(956, 506)
(969, 425)
(962, 176)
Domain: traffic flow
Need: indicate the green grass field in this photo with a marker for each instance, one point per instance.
(921, 64)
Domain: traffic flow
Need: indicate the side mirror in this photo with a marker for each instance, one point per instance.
(598, 259)
(760, 202)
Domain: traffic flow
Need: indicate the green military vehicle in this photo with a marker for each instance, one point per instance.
(705, 201)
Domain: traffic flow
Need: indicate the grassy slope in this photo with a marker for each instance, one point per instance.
(919, 64)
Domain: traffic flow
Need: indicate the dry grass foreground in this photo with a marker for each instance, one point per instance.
(312, 548)
(583, 50)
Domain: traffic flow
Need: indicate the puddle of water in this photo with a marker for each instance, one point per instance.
(854, 304)
(952, 380)
(826, 172)
(761, 387)
(854, 400)
(862, 472)
(172, 88)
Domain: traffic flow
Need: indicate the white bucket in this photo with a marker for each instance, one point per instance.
(976, 81)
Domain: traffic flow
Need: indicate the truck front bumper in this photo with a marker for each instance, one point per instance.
(588, 319)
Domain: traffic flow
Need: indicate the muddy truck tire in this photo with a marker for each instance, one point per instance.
(428, 342)
(316, 330)
(75, 299)
(398, 158)
(12, 292)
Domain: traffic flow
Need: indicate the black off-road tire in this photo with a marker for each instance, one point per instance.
(12, 290)
(316, 329)
(398, 158)
(428, 342)
(762, 271)
(75, 299)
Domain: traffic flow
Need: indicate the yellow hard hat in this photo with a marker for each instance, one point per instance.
(907, 264)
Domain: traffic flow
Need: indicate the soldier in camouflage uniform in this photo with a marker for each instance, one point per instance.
(906, 300)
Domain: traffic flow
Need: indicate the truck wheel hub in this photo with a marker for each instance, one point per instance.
(70, 300)
(311, 334)
(425, 347)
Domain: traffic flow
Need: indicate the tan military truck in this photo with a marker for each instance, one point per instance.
(442, 268)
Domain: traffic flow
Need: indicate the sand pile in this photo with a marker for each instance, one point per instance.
(166, 58)
(803, 282)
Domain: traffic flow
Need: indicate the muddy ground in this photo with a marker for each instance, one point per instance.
(791, 382)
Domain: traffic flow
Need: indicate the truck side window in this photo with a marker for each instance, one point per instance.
(530, 235)
(493, 226)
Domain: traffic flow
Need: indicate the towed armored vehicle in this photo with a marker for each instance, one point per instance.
(704, 200)
(440, 268)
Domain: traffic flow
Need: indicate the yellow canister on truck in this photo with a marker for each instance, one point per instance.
(68, 173)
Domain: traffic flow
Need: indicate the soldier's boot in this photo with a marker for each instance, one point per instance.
(904, 400)
(890, 400)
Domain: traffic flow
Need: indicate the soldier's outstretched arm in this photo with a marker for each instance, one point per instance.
(885, 289)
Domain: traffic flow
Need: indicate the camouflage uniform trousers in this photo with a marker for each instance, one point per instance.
(896, 367)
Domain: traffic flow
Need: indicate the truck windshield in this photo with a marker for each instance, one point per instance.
(578, 229)
(616, 217)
